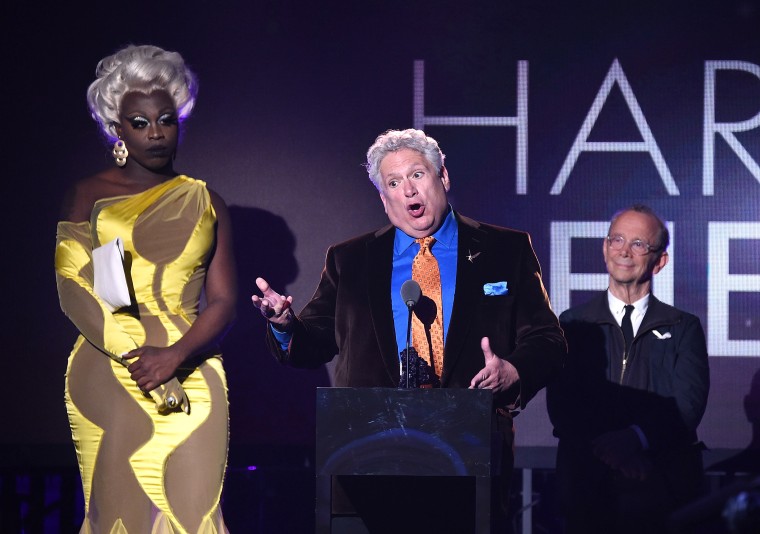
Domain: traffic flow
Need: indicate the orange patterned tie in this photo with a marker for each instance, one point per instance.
(429, 330)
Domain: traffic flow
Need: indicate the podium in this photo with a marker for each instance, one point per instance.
(380, 434)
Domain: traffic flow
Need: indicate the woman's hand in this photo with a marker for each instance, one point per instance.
(154, 366)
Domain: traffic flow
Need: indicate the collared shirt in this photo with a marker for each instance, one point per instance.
(445, 251)
(404, 250)
(617, 307)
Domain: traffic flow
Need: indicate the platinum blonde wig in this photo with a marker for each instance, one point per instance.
(394, 140)
(142, 68)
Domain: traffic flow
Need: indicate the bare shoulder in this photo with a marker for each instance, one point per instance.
(217, 201)
(80, 198)
(216, 198)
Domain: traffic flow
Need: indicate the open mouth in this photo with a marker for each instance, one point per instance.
(416, 210)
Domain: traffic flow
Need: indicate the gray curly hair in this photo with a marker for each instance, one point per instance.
(394, 140)
(139, 68)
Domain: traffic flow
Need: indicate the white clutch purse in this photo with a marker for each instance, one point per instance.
(110, 278)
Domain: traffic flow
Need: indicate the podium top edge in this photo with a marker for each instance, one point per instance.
(482, 395)
(465, 391)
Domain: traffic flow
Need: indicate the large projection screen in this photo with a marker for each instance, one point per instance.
(552, 117)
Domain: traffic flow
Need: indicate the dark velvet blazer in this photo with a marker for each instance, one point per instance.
(350, 314)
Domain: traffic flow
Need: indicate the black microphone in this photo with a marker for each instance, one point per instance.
(411, 292)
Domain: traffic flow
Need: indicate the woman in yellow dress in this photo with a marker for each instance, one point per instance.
(146, 393)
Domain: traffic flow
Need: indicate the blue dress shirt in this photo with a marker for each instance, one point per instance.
(445, 251)
(404, 250)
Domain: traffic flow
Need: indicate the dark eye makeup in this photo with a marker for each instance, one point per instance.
(138, 122)
(168, 118)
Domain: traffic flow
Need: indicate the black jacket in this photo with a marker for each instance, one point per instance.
(663, 390)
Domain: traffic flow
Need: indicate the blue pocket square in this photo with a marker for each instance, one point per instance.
(495, 288)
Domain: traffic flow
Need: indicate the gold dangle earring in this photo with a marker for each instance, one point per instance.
(120, 153)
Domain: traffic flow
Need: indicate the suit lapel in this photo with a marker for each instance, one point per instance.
(472, 243)
(380, 265)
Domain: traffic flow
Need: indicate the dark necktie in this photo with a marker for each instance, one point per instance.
(627, 327)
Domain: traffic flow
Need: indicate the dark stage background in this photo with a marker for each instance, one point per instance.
(606, 104)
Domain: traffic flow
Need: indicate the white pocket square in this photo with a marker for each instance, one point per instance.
(666, 335)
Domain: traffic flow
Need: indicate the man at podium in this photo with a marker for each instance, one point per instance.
(483, 319)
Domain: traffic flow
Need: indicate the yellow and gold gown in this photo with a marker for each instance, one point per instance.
(144, 471)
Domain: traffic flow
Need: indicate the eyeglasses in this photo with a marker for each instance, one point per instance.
(638, 247)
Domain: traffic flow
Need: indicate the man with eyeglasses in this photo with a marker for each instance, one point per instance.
(633, 391)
